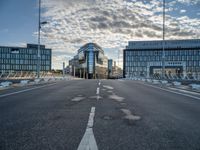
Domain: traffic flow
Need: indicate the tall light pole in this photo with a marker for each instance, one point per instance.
(118, 56)
(38, 52)
(163, 43)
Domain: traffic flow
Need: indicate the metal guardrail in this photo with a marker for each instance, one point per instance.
(22, 82)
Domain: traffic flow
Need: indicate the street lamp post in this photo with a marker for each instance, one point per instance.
(38, 52)
(163, 43)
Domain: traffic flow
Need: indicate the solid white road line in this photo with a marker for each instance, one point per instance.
(88, 141)
(98, 91)
(26, 90)
(194, 97)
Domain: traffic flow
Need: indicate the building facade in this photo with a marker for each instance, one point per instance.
(110, 68)
(144, 58)
(90, 62)
(24, 59)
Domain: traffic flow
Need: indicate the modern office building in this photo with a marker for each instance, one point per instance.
(144, 58)
(90, 62)
(24, 59)
(113, 70)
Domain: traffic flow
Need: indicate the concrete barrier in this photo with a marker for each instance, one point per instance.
(6, 84)
(37, 81)
(148, 80)
(175, 83)
(24, 82)
(195, 86)
(46, 79)
(164, 82)
(156, 82)
(143, 80)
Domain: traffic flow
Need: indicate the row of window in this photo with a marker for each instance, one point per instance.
(167, 58)
(138, 64)
(167, 52)
(90, 60)
(21, 62)
(144, 69)
(23, 67)
(21, 56)
(24, 51)
(158, 43)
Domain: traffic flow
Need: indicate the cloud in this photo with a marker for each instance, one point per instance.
(111, 24)
(190, 2)
(182, 11)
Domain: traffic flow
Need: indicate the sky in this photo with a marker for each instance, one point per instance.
(109, 23)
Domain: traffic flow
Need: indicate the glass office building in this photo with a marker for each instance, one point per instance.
(144, 58)
(90, 62)
(24, 59)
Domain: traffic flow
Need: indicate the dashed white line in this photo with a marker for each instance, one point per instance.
(88, 141)
(97, 91)
(26, 90)
(98, 97)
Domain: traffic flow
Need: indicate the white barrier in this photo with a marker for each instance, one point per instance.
(5, 84)
(195, 86)
(175, 83)
(156, 82)
(164, 82)
(24, 82)
(148, 80)
(37, 80)
(46, 79)
(143, 79)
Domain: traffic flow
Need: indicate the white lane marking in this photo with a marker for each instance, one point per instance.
(88, 141)
(98, 91)
(116, 97)
(194, 97)
(95, 97)
(77, 99)
(98, 97)
(26, 90)
(129, 115)
(108, 87)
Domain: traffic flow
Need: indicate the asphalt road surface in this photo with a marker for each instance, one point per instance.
(98, 114)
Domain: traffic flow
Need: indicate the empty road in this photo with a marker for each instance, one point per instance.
(98, 114)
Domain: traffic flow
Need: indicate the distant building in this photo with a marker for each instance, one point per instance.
(90, 62)
(144, 58)
(24, 59)
(113, 70)
(110, 68)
